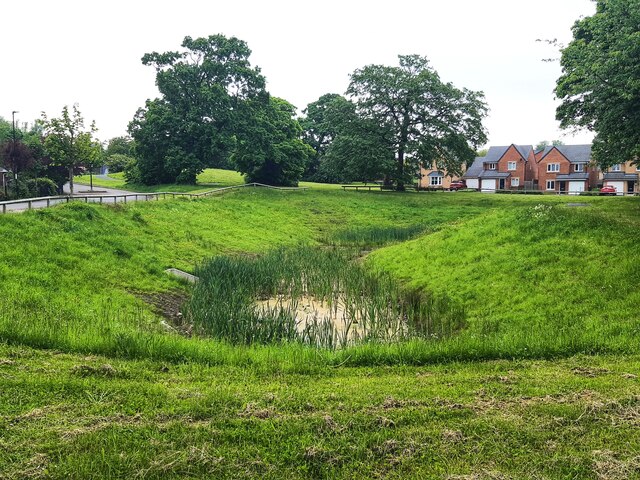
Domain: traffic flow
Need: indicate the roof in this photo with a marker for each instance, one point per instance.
(620, 176)
(3, 170)
(475, 169)
(493, 174)
(496, 153)
(436, 174)
(573, 176)
(573, 153)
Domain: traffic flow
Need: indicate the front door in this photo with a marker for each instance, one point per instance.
(630, 187)
(501, 184)
(563, 186)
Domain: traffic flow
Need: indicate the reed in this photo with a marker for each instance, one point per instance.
(315, 296)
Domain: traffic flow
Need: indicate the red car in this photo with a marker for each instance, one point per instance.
(608, 190)
(455, 186)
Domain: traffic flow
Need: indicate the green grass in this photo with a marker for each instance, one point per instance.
(210, 179)
(541, 383)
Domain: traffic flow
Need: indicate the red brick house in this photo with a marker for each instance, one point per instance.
(623, 177)
(566, 169)
(503, 168)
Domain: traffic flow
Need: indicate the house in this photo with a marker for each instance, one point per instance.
(503, 168)
(623, 176)
(566, 169)
(435, 178)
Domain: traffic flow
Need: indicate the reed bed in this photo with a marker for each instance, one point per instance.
(260, 300)
(375, 236)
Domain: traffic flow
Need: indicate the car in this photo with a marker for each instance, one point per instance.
(457, 185)
(608, 190)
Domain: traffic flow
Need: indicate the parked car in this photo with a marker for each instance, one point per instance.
(608, 190)
(457, 185)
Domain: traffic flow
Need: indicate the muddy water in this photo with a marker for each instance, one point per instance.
(310, 312)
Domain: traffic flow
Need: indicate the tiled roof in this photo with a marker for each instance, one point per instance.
(620, 176)
(493, 174)
(495, 153)
(436, 174)
(573, 153)
(475, 169)
(573, 176)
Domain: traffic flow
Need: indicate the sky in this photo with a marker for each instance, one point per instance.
(61, 52)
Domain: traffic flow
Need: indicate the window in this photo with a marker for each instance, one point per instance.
(578, 167)
(515, 182)
(435, 181)
(551, 184)
(616, 168)
(492, 166)
(511, 166)
(553, 167)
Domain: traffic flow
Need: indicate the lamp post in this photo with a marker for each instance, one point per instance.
(13, 147)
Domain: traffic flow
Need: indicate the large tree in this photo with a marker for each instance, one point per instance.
(69, 143)
(422, 119)
(600, 83)
(269, 146)
(192, 125)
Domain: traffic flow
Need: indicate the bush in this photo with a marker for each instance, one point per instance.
(41, 187)
(118, 162)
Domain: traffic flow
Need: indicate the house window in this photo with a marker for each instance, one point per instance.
(492, 166)
(616, 168)
(578, 167)
(553, 167)
(551, 184)
(515, 182)
(435, 181)
(511, 166)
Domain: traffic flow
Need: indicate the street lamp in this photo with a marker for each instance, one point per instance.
(13, 147)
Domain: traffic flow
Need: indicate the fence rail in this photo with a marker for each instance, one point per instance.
(43, 202)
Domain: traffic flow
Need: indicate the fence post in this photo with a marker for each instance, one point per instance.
(4, 208)
(48, 202)
(29, 204)
(100, 198)
(125, 199)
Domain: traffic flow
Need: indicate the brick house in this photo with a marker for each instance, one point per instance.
(566, 169)
(624, 177)
(503, 168)
(435, 178)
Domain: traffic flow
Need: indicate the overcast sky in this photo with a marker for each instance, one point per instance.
(57, 53)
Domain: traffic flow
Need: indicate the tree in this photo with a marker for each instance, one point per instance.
(269, 148)
(423, 119)
(68, 143)
(545, 143)
(599, 87)
(192, 125)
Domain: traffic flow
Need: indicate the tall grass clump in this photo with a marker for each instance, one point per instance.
(315, 296)
(375, 236)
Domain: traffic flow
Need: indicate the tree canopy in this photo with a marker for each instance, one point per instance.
(397, 119)
(192, 125)
(599, 87)
(68, 143)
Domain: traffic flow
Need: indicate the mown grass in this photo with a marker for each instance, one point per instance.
(66, 416)
(92, 385)
(210, 179)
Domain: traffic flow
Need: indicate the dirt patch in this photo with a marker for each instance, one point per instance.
(168, 305)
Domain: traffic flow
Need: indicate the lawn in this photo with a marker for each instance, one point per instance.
(210, 179)
(97, 379)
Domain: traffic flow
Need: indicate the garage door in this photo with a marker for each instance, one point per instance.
(576, 187)
(488, 185)
(472, 183)
(619, 187)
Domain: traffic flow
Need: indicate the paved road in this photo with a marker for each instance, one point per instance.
(82, 190)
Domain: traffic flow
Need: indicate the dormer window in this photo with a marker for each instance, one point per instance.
(616, 168)
(493, 166)
(578, 167)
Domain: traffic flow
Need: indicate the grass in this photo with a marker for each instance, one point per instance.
(318, 297)
(210, 179)
(541, 383)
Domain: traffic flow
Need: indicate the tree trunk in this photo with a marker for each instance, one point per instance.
(71, 180)
(91, 179)
(400, 170)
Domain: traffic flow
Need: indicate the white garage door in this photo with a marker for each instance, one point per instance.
(576, 187)
(488, 185)
(472, 183)
(619, 187)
